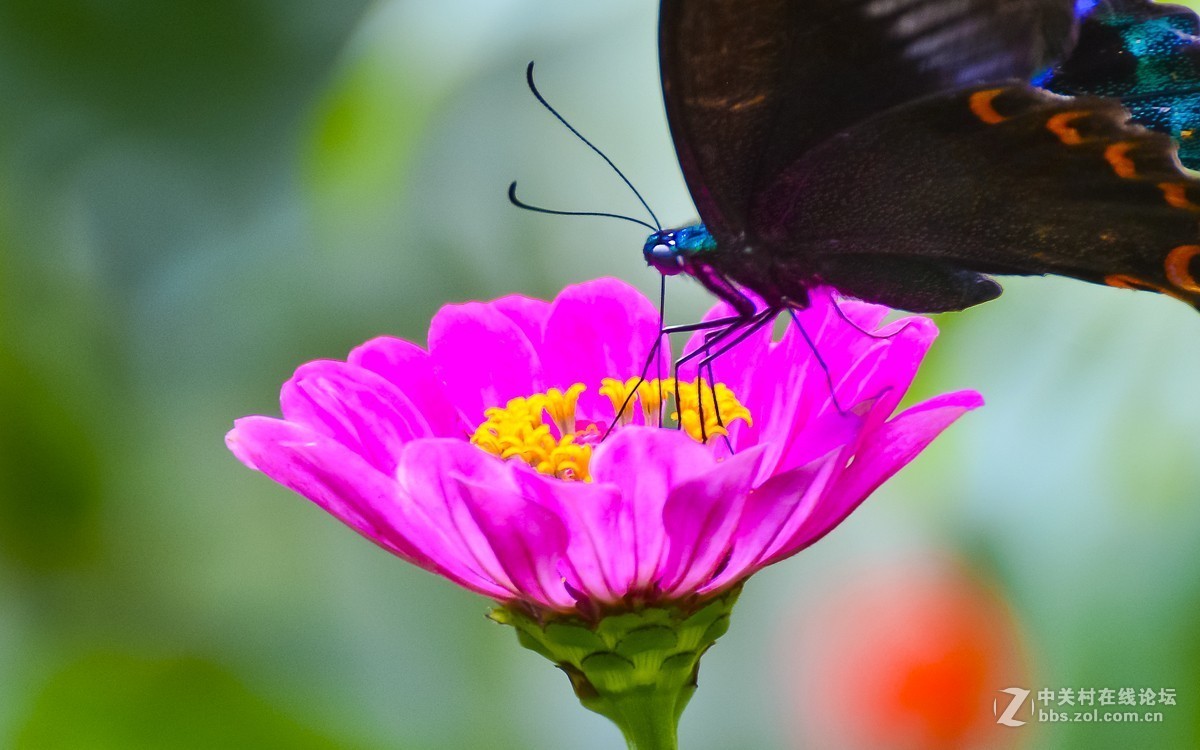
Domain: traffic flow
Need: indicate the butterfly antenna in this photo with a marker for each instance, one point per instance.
(542, 100)
(654, 356)
(512, 197)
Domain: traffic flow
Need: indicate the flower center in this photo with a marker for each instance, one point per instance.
(562, 446)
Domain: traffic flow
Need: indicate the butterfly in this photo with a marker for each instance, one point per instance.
(902, 151)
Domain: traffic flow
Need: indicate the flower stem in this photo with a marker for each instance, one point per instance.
(648, 720)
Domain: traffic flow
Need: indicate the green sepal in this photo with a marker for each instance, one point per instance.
(637, 667)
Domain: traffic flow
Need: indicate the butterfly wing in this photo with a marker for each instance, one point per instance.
(1147, 55)
(752, 85)
(912, 206)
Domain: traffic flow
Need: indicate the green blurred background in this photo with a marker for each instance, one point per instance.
(196, 197)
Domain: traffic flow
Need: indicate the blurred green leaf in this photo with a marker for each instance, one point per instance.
(365, 129)
(177, 64)
(122, 701)
(49, 474)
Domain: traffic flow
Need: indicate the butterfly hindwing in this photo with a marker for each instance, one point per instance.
(1147, 55)
(910, 206)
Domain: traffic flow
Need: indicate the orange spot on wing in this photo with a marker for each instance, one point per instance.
(982, 107)
(1124, 281)
(1060, 125)
(1118, 156)
(1176, 195)
(1177, 265)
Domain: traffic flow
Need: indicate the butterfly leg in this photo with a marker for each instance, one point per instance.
(736, 330)
(728, 327)
(724, 289)
(705, 365)
(717, 329)
(914, 285)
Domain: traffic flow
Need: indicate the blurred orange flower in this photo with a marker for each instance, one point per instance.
(908, 658)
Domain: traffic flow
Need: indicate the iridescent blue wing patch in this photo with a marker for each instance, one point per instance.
(1148, 56)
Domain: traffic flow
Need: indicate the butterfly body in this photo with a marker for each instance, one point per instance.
(895, 150)
(695, 251)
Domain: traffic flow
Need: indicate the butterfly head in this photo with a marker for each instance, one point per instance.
(669, 250)
(663, 253)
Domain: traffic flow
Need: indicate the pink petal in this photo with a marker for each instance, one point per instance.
(432, 473)
(786, 393)
(483, 357)
(507, 521)
(789, 389)
(864, 315)
(598, 527)
(355, 407)
(889, 364)
(890, 448)
(528, 541)
(809, 425)
(842, 329)
(597, 330)
(343, 484)
(409, 368)
(645, 464)
(529, 314)
(771, 516)
(700, 519)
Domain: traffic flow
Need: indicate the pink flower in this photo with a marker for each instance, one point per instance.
(484, 458)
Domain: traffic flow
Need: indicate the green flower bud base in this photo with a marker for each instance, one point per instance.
(637, 667)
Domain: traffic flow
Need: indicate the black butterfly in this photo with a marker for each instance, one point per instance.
(897, 151)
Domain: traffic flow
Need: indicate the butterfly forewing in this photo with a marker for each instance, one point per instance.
(895, 150)
(751, 85)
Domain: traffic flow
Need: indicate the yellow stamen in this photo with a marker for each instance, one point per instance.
(708, 410)
(651, 394)
(519, 430)
(618, 393)
(570, 461)
(561, 407)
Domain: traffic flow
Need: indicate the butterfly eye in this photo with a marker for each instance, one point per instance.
(664, 257)
(662, 253)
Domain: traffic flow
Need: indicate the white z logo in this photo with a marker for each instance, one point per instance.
(1018, 699)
